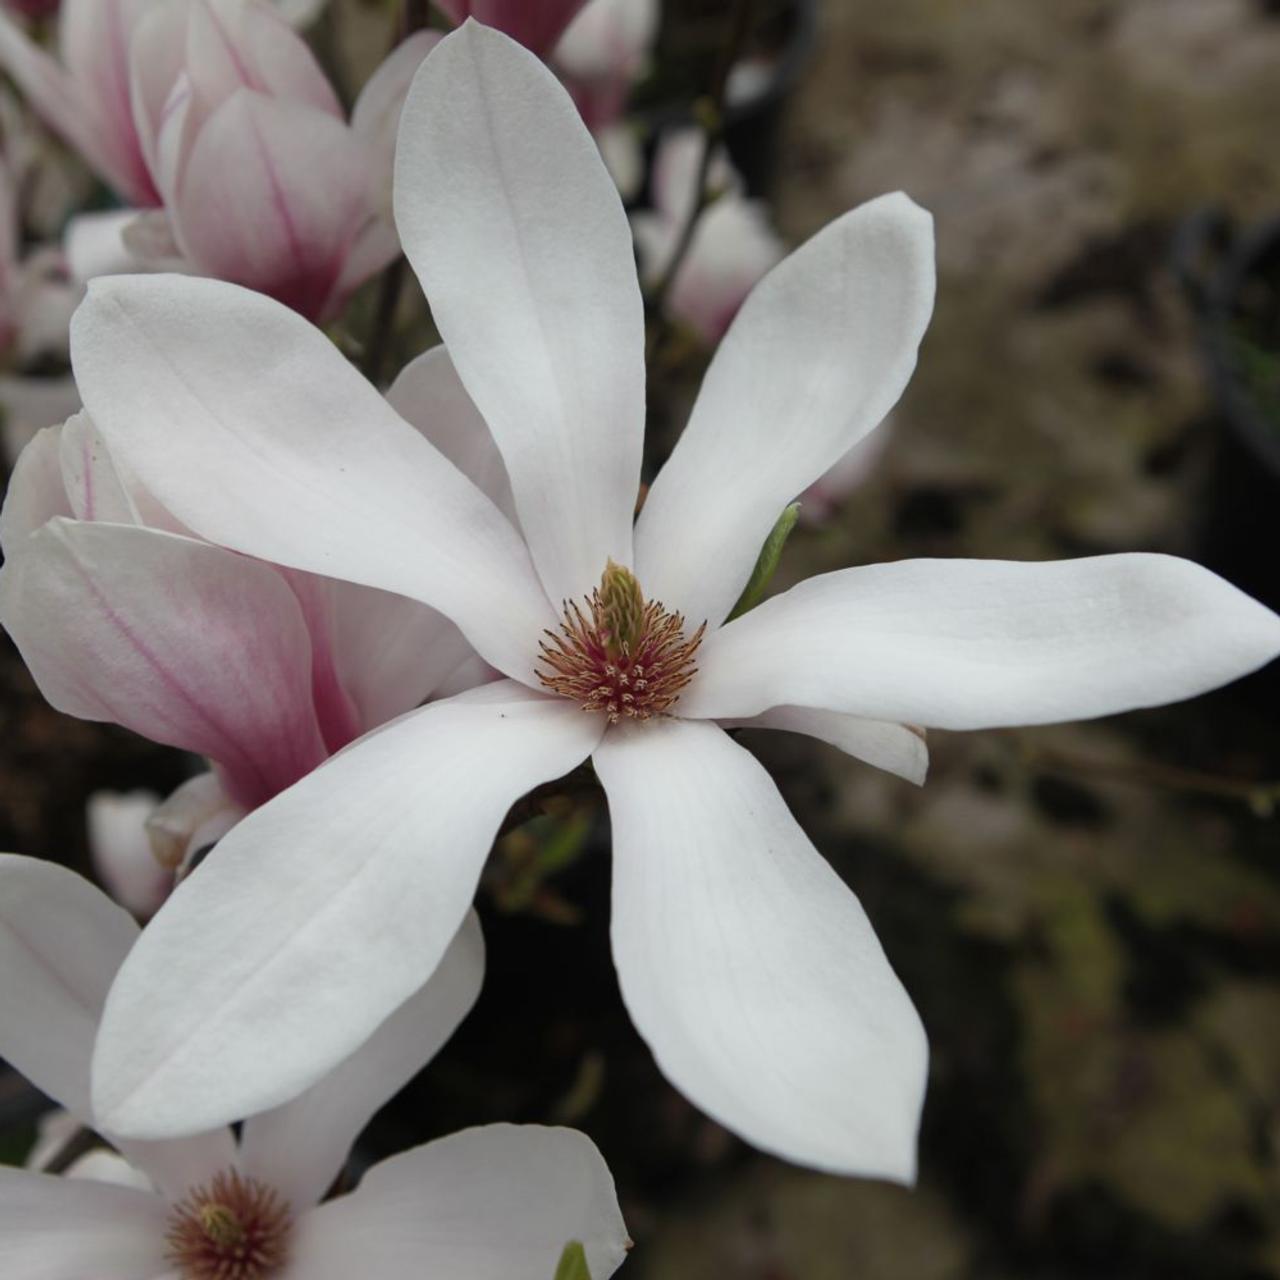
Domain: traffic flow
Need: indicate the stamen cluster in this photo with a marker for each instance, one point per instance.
(235, 1228)
(624, 655)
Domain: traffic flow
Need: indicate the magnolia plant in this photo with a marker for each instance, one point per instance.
(494, 1203)
(745, 962)
(216, 113)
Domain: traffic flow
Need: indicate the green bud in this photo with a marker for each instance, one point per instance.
(767, 562)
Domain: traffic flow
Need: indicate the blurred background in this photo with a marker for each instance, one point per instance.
(1087, 917)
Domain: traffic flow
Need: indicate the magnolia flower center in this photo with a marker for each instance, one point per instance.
(234, 1228)
(621, 654)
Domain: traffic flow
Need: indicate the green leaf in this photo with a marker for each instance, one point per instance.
(770, 554)
(573, 1263)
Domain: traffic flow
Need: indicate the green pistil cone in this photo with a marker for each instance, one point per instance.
(621, 608)
(573, 1263)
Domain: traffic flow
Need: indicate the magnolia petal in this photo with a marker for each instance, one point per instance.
(973, 644)
(93, 38)
(817, 356)
(494, 1203)
(321, 912)
(177, 826)
(252, 429)
(429, 395)
(121, 851)
(375, 119)
(250, 210)
(36, 493)
(95, 488)
(180, 641)
(69, 1228)
(300, 1148)
(747, 964)
(897, 748)
(101, 1165)
(536, 26)
(61, 942)
(390, 653)
(515, 230)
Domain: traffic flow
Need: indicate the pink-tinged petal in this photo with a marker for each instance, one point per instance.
(321, 913)
(36, 493)
(233, 44)
(183, 642)
(973, 644)
(817, 356)
(120, 849)
(390, 653)
(515, 230)
(300, 13)
(94, 38)
(376, 116)
(609, 40)
(63, 104)
(252, 429)
(157, 52)
(250, 210)
(74, 1228)
(537, 26)
(495, 1203)
(300, 1148)
(429, 395)
(95, 489)
(748, 965)
(897, 748)
(195, 815)
(61, 942)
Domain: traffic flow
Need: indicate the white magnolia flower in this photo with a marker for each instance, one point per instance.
(745, 962)
(120, 848)
(496, 1203)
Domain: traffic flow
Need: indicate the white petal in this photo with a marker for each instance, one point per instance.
(121, 850)
(817, 356)
(496, 1203)
(300, 1148)
(95, 488)
(36, 493)
(390, 653)
(179, 825)
(101, 1165)
(971, 644)
(249, 426)
(746, 963)
(73, 1228)
(896, 748)
(515, 230)
(321, 912)
(61, 942)
(429, 395)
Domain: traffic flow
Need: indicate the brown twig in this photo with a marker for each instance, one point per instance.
(712, 112)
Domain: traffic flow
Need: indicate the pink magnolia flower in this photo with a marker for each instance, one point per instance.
(733, 245)
(537, 24)
(263, 180)
(124, 616)
(494, 1203)
(746, 963)
(84, 92)
(218, 111)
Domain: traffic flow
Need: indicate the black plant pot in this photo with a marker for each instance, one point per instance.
(1233, 281)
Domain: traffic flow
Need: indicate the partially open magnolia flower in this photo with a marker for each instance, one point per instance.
(217, 111)
(495, 1203)
(123, 616)
(746, 963)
